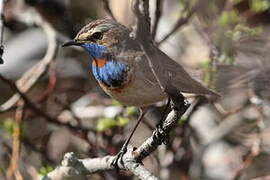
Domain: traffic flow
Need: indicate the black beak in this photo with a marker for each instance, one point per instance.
(71, 43)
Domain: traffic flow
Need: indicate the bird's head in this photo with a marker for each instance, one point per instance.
(99, 36)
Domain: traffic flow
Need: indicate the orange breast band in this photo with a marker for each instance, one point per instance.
(99, 62)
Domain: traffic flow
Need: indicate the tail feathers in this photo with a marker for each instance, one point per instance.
(189, 85)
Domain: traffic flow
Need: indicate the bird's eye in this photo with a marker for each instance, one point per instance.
(96, 36)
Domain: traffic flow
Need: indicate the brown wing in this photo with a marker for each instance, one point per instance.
(184, 82)
(168, 71)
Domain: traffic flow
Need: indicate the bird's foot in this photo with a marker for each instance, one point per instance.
(119, 156)
(160, 135)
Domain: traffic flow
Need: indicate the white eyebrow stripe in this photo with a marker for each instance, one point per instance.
(102, 27)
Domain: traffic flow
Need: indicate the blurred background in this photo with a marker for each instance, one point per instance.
(225, 44)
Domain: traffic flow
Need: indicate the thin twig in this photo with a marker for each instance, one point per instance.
(158, 13)
(13, 167)
(30, 77)
(40, 111)
(2, 30)
(180, 22)
(72, 168)
(252, 154)
(52, 82)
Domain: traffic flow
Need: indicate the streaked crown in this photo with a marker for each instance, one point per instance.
(104, 32)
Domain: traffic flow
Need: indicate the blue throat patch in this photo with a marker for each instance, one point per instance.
(111, 72)
(95, 50)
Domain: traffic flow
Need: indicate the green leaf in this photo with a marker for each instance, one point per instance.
(182, 121)
(105, 123)
(131, 110)
(2, 169)
(228, 18)
(122, 121)
(8, 125)
(237, 1)
(259, 5)
(116, 103)
(45, 170)
(242, 31)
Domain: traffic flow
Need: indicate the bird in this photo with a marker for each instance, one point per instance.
(121, 69)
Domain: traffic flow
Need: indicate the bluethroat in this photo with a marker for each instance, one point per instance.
(121, 68)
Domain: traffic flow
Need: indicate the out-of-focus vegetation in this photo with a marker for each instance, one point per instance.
(224, 43)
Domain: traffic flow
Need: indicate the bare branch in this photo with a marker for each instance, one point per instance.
(249, 159)
(13, 170)
(158, 14)
(1, 30)
(157, 138)
(40, 111)
(30, 77)
(73, 168)
(180, 22)
(131, 159)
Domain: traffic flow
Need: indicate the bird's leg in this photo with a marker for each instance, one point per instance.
(159, 128)
(124, 147)
(159, 124)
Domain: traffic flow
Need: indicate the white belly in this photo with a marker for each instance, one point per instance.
(139, 92)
